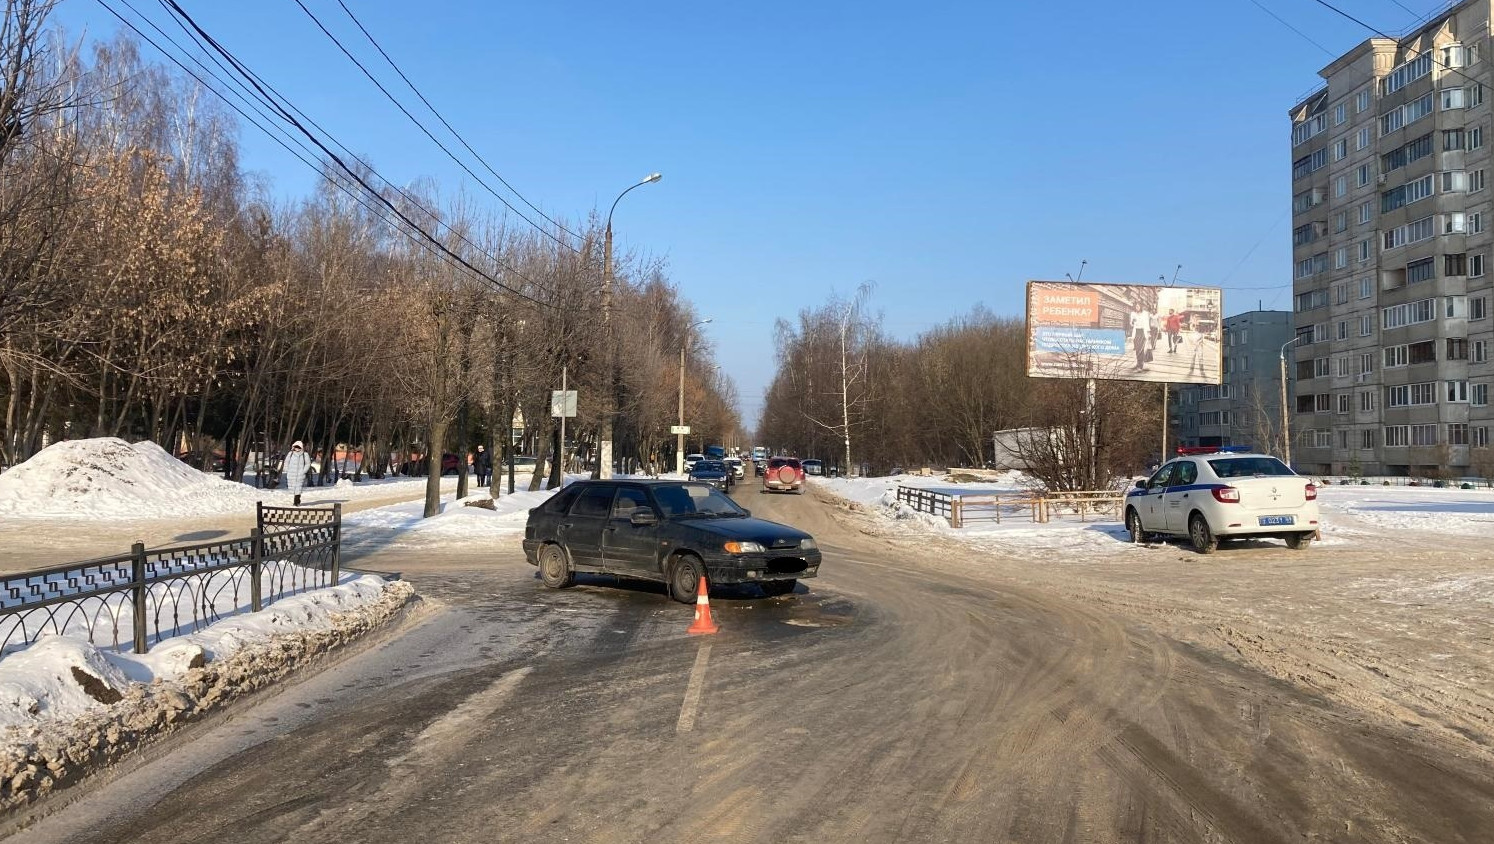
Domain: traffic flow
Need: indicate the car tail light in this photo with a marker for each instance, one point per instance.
(1226, 494)
(1311, 492)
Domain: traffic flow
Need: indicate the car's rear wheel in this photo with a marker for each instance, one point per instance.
(1204, 540)
(1299, 541)
(684, 578)
(555, 569)
(1133, 524)
(774, 588)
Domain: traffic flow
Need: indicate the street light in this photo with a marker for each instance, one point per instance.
(679, 443)
(1286, 431)
(604, 456)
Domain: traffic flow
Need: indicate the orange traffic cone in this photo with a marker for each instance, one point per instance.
(703, 622)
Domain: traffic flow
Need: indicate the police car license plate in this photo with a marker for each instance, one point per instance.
(1278, 520)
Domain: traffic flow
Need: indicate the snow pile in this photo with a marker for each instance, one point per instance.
(109, 478)
(67, 705)
(1449, 511)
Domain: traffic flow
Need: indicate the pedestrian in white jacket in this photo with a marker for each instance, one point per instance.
(297, 463)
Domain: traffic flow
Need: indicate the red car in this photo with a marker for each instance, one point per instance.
(784, 473)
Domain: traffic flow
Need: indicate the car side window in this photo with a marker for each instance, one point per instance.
(595, 501)
(562, 500)
(1185, 474)
(1163, 478)
(628, 499)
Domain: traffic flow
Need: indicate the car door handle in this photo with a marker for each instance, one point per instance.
(608, 529)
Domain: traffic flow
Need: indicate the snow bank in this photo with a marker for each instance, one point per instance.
(109, 478)
(66, 705)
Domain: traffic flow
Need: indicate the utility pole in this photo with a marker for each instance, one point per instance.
(1286, 432)
(610, 390)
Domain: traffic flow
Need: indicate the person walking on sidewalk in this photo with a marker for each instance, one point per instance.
(1173, 325)
(482, 466)
(297, 464)
(1139, 326)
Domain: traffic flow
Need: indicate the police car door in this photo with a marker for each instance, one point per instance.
(1149, 505)
(1181, 495)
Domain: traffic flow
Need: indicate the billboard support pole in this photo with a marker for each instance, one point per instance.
(1165, 387)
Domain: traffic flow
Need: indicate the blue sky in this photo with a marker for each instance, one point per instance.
(946, 152)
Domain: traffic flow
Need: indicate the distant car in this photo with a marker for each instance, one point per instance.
(735, 465)
(691, 460)
(673, 532)
(813, 467)
(784, 473)
(714, 472)
(1213, 493)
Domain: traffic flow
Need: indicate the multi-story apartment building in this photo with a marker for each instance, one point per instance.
(1245, 409)
(1391, 239)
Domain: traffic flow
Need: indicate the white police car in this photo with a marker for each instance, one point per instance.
(1228, 492)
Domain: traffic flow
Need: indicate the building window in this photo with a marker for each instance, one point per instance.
(1364, 250)
(1361, 101)
(1481, 437)
(1340, 149)
(1322, 438)
(1322, 403)
(1343, 402)
(1476, 266)
(1366, 401)
(1457, 348)
(1366, 212)
(1455, 307)
(1362, 139)
(1410, 313)
(1422, 270)
(1397, 435)
(1340, 257)
(1423, 352)
(1423, 434)
(1395, 356)
(1475, 180)
(1453, 98)
(1454, 181)
(1309, 163)
(1362, 175)
(1475, 95)
(1480, 351)
(1479, 395)
(1455, 222)
(1410, 192)
(1340, 114)
(1367, 439)
(1404, 154)
(1413, 232)
(1341, 366)
(1451, 139)
(1366, 325)
(1455, 264)
(1457, 433)
(1475, 137)
(1341, 186)
(1341, 221)
(1475, 222)
(1321, 367)
(1457, 392)
(1366, 363)
(1406, 73)
(1478, 308)
(1366, 288)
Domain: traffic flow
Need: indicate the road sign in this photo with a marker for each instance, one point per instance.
(679, 429)
(562, 403)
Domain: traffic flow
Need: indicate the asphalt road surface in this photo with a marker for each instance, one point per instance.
(887, 700)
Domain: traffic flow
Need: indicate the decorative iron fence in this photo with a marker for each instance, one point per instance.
(146, 596)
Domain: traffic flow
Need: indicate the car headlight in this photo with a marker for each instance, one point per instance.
(807, 544)
(744, 548)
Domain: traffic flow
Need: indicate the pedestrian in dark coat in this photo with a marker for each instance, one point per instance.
(297, 464)
(482, 464)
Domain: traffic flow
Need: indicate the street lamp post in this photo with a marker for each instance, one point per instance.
(1286, 431)
(609, 417)
(679, 443)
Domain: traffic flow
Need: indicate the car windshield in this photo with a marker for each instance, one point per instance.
(683, 501)
(776, 462)
(710, 466)
(1248, 467)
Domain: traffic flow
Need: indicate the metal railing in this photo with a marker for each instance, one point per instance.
(146, 596)
(1040, 508)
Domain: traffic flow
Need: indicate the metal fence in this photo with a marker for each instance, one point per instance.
(993, 507)
(145, 596)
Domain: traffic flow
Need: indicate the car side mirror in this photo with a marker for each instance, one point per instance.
(1141, 484)
(643, 517)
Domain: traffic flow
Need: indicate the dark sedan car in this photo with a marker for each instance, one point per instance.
(714, 472)
(667, 531)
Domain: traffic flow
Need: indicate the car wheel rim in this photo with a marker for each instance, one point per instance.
(1200, 533)
(554, 569)
(686, 578)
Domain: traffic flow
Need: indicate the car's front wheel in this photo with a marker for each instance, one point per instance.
(1204, 540)
(1299, 541)
(1133, 524)
(684, 578)
(555, 570)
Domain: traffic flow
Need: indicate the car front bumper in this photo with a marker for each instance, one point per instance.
(785, 564)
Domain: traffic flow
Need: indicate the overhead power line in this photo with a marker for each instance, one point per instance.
(427, 132)
(449, 127)
(285, 115)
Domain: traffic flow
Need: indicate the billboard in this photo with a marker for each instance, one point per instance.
(1124, 332)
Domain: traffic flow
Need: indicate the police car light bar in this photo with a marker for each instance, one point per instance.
(1213, 449)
